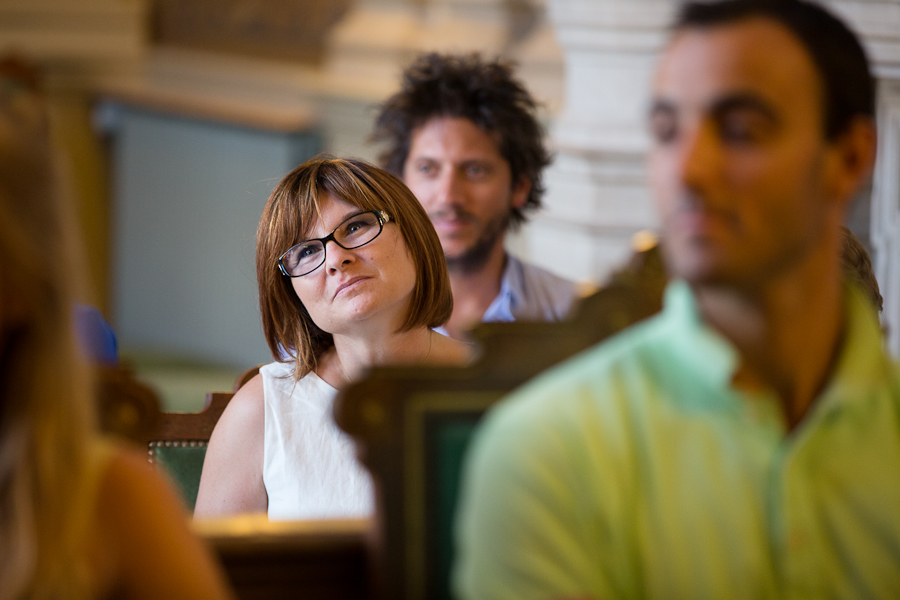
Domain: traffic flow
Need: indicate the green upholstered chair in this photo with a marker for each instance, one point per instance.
(412, 427)
(177, 444)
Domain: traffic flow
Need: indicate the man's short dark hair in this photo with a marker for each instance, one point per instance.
(484, 92)
(848, 87)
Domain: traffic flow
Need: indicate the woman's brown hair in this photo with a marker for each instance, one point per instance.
(293, 209)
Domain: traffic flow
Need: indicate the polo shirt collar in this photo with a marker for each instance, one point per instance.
(706, 353)
(862, 367)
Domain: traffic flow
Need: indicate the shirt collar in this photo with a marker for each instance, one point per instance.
(512, 291)
(707, 353)
(861, 367)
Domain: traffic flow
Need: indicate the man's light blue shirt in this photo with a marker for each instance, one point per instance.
(530, 293)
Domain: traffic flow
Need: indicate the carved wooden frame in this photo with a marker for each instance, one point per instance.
(387, 411)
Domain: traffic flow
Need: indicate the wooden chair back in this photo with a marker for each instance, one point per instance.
(262, 559)
(412, 427)
(178, 443)
(126, 407)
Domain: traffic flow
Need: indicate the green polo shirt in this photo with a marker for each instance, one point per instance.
(636, 470)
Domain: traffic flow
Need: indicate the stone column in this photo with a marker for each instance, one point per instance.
(878, 21)
(597, 198)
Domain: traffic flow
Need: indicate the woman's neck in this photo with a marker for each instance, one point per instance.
(352, 355)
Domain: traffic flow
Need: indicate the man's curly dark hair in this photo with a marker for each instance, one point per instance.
(487, 94)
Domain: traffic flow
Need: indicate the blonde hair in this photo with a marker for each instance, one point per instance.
(46, 416)
(291, 212)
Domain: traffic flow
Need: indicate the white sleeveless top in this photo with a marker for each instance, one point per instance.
(309, 466)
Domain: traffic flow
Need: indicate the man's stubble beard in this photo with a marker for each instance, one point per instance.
(475, 257)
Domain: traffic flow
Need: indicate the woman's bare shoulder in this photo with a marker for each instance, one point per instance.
(232, 477)
(243, 421)
(132, 493)
(242, 424)
(249, 401)
(148, 548)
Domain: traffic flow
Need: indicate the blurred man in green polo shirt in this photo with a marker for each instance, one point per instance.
(745, 443)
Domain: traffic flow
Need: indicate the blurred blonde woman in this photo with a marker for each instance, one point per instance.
(79, 517)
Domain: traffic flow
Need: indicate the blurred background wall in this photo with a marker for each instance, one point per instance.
(177, 117)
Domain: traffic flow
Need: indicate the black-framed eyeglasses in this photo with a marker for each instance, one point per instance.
(353, 232)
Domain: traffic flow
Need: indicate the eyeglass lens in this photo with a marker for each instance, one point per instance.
(356, 231)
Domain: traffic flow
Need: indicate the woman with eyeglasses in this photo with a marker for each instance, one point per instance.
(351, 274)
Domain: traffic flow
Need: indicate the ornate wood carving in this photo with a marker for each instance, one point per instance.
(396, 415)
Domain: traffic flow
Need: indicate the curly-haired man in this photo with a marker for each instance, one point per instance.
(463, 134)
